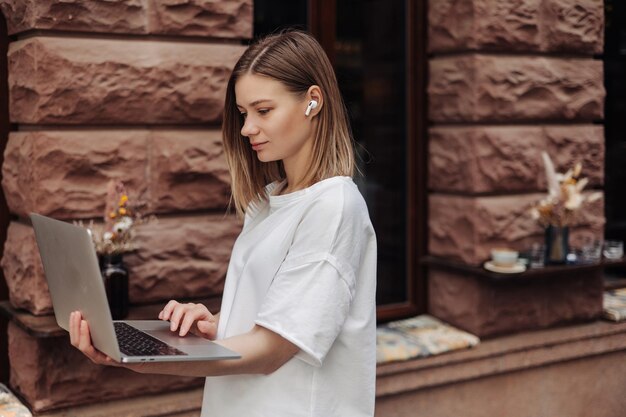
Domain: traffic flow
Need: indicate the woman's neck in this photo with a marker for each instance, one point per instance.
(296, 173)
(291, 187)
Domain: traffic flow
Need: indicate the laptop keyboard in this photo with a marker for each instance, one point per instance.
(133, 342)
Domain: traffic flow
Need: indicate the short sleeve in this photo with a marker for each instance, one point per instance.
(308, 303)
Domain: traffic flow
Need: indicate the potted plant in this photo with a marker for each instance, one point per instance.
(558, 211)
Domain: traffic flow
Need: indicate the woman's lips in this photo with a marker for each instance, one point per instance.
(258, 145)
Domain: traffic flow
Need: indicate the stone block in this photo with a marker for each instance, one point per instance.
(584, 144)
(125, 16)
(214, 18)
(503, 159)
(179, 257)
(171, 170)
(576, 26)
(64, 174)
(487, 308)
(95, 81)
(467, 228)
(208, 18)
(524, 25)
(451, 25)
(23, 271)
(486, 88)
(188, 171)
(49, 373)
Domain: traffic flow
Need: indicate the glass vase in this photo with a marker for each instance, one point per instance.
(557, 245)
(115, 276)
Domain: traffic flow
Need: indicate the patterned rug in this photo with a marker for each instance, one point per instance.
(615, 304)
(10, 406)
(417, 337)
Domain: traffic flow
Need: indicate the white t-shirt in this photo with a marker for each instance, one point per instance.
(304, 266)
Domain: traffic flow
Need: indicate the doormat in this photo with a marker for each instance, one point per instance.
(615, 304)
(10, 406)
(419, 337)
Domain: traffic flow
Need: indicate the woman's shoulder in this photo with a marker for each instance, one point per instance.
(334, 220)
(338, 197)
(338, 191)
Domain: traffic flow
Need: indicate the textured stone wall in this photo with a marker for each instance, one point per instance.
(181, 257)
(94, 81)
(129, 90)
(492, 88)
(205, 18)
(489, 308)
(508, 80)
(49, 373)
(490, 158)
(172, 170)
(465, 228)
(527, 26)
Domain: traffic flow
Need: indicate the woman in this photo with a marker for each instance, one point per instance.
(299, 297)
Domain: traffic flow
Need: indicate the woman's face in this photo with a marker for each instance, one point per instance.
(274, 120)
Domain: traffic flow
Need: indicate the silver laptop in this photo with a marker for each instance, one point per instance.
(71, 267)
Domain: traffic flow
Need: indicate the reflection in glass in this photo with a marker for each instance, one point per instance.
(614, 120)
(370, 61)
(270, 16)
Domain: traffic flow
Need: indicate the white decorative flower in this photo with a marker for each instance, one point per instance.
(551, 176)
(534, 213)
(574, 199)
(123, 225)
(594, 197)
(565, 195)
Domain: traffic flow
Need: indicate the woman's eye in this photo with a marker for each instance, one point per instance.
(244, 115)
(264, 111)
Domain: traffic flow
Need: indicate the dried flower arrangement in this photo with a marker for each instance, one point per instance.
(115, 235)
(565, 197)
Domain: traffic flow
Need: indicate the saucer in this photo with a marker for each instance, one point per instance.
(516, 268)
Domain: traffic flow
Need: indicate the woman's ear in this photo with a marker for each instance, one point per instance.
(314, 93)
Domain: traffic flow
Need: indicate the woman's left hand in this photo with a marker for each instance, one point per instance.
(80, 338)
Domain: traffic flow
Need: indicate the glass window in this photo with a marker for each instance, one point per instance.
(370, 62)
(615, 126)
(272, 15)
(615, 122)
(374, 46)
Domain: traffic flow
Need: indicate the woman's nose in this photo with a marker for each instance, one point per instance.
(249, 129)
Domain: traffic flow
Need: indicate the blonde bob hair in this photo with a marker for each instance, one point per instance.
(298, 61)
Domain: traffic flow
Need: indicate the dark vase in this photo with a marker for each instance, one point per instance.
(557, 245)
(115, 276)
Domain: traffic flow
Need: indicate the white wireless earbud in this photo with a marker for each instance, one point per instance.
(311, 106)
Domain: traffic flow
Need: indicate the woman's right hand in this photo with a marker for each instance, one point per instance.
(190, 317)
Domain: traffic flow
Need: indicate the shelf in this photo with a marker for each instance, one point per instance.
(614, 279)
(614, 283)
(37, 326)
(46, 326)
(551, 271)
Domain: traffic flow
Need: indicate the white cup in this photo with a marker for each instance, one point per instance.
(504, 257)
(613, 249)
